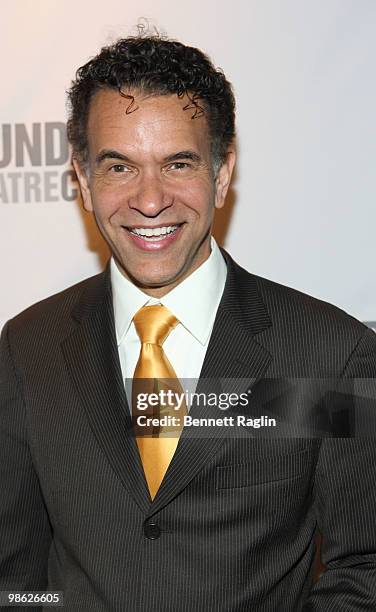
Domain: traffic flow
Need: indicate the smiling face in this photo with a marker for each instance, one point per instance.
(151, 186)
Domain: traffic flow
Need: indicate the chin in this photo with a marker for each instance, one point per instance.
(155, 282)
(150, 280)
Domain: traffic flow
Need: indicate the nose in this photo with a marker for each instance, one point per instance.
(150, 196)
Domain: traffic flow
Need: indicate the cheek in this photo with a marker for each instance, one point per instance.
(107, 202)
(197, 196)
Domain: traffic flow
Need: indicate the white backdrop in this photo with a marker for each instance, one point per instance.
(302, 208)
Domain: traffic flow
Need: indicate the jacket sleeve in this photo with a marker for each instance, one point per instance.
(345, 491)
(25, 533)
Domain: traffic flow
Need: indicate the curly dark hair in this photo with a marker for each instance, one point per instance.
(154, 65)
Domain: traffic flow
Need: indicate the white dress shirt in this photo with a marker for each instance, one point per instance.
(194, 302)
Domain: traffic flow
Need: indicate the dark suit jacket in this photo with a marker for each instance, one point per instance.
(233, 525)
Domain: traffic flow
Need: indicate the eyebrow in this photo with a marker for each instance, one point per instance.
(113, 154)
(110, 154)
(191, 155)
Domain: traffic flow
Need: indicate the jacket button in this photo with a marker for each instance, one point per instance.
(152, 531)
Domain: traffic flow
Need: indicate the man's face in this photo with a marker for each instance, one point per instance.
(151, 186)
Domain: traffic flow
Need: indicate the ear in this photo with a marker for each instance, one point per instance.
(83, 180)
(223, 178)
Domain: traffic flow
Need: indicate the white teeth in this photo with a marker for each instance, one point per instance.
(154, 233)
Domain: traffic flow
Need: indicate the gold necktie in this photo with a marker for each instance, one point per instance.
(156, 445)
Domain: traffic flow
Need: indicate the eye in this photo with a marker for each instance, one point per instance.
(119, 168)
(179, 166)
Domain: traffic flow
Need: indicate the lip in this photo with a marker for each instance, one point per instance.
(157, 245)
(140, 226)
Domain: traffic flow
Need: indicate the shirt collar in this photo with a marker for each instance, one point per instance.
(194, 301)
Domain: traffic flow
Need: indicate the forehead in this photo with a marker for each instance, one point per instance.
(157, 121)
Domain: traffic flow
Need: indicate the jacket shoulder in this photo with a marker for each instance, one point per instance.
(306, 335)
(291, 305)
(54, 313)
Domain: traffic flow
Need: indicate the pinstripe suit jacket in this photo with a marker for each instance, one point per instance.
(233, 525)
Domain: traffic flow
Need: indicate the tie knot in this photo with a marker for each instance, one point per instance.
(154, 323)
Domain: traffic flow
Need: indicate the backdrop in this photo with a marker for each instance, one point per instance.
(302, 206)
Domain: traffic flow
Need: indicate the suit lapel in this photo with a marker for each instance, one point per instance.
(234, 359)
(92, 360)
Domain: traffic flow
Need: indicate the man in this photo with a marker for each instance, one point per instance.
(224, 521)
